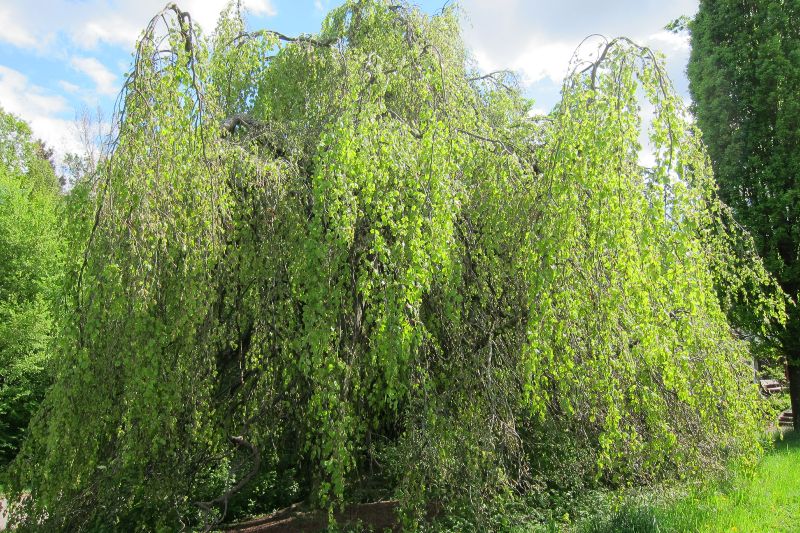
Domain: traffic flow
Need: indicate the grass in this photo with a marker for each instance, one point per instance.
(766, 500)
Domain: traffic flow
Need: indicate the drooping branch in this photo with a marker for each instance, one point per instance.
(645, 54)
(225, 497)
(495, 77)
(281, 37)
(239, 120)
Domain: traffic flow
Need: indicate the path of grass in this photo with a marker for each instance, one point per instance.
(767, 500)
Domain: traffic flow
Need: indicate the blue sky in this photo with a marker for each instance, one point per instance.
(61, 57)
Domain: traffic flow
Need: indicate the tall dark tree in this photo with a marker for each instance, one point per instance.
(744, 76)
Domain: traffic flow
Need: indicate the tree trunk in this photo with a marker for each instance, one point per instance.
(793, 373)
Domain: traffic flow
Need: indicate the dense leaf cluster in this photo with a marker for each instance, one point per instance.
(323, 261)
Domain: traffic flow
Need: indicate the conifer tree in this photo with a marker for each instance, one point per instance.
(744, 75)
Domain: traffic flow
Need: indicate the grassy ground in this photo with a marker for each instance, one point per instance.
(766, 500)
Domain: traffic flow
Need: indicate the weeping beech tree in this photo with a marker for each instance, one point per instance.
(320, 261)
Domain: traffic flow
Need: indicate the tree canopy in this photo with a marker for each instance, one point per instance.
(30, 271)
(319, 261)
(744, 78)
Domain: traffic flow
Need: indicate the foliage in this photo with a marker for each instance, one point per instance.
(333, 258)
(30, 258)
(744, 75)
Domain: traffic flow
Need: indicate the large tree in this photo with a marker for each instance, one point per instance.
(350, 256)
(744, 76)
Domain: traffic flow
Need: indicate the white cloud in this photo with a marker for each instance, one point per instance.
(537, 38)
(537, 112)
(105, 81)
(87, 23)
(40, 109)
(17, 95)
(106, 28)
(12, 32)
(544, 60)
(68, 87)
(262, 8)
(668, 41)
(536, 62)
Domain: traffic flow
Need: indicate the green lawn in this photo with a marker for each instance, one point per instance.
(766, 500)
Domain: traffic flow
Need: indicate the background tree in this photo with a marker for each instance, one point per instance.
(744, 75)
(30, 277)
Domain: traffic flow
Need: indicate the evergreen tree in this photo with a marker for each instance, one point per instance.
(744, 75)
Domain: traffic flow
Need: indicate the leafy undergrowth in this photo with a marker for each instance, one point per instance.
(766, 500)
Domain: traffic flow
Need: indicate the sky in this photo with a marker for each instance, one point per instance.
(62, 58)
